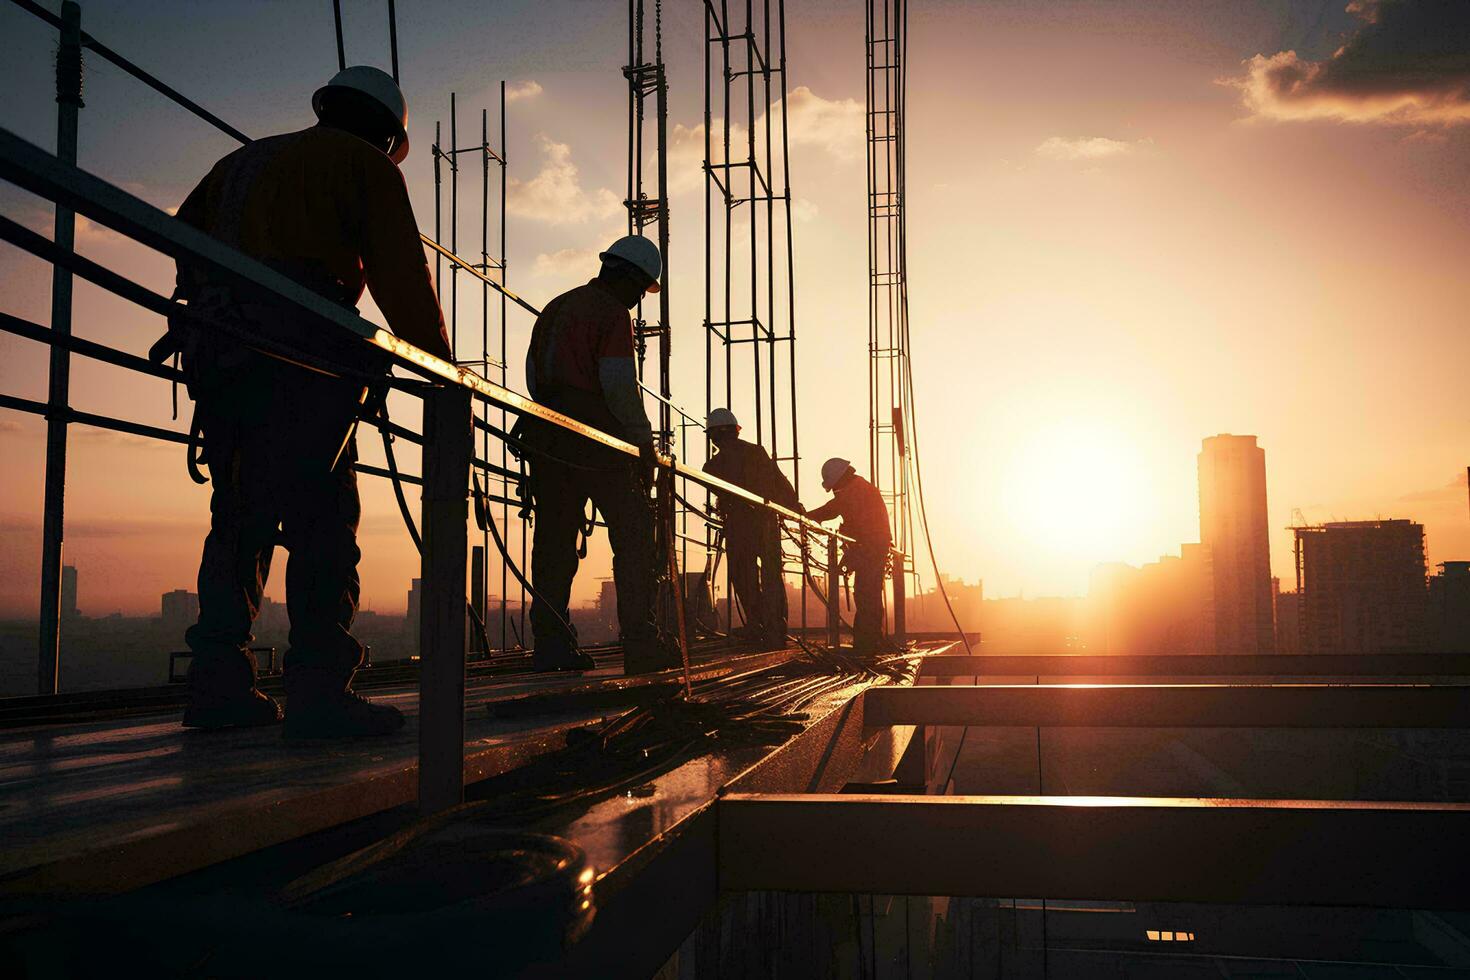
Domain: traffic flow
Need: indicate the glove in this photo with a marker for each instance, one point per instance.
(647, 462)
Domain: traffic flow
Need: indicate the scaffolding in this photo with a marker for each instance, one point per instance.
(492, 360)
(749, 270)
(889, 416)
(645, 79)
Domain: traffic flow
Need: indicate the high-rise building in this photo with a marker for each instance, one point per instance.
(415, 606)
(1449, 608)
(69, 592)
(1362, 587)
(1165, 607)
(179, 609)
(1233, 527)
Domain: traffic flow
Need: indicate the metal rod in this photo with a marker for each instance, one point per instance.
(337, 20)
(1173, 706)
(53, 521)
(393, 36)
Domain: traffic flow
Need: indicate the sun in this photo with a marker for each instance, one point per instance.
(1077, 490)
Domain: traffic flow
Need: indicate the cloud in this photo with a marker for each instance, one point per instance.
(555, 195)
(1088, 147)
(833, 126)
(567, 262)
(522, 90)
(10, 425)
(1407, 64)
(804, 211)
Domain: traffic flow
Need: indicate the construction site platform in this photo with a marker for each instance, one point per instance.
(101, 807)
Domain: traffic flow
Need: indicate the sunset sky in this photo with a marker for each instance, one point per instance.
(1131, 225)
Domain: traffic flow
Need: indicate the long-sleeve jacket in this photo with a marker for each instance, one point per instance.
(331, 211)
(864, 515)
(580, 362)
(750, 467)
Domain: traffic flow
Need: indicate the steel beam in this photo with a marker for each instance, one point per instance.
(1185, 665)
(1173, 706)
(1286, 852)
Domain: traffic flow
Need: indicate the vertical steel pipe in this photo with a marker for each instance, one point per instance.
(53, 521)
(448, 448)
(834, 610)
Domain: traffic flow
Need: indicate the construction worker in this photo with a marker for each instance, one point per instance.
(752, 535)
(581, 363)
(326, 206)
(865, 520)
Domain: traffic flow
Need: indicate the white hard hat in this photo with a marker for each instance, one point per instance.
(639, 252)
(379, 86)
(721, 417)
(833, 471)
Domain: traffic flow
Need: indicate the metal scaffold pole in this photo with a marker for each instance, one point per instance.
(487, 269)
(889, 414)
(749, 267)
(68, 102)
(647, 78)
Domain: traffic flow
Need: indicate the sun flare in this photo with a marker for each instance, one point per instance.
(1078, 490)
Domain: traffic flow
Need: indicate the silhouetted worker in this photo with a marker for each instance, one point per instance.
(581, 363)
(865, 520)
(752, 535)
(327, 207)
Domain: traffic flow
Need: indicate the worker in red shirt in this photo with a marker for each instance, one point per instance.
(865, 520)
(752, 535)
(581, 363)
(326, 206)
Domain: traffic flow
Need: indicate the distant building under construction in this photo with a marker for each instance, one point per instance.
(1361, 587)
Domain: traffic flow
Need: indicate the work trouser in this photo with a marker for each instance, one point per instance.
(869, 566)
(269, 441)
(753, 546)
(561, 492)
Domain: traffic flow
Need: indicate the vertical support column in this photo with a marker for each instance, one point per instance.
(68, 101)
(448, 448)
(477, 595)
(834, 608)
(900, 601)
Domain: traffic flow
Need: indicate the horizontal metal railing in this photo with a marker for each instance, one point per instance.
(42, 174)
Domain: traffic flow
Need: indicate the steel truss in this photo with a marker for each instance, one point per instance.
(749, 271)
(492, 345)
(647, 79)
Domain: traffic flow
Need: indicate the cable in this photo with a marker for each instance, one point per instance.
(487, 523)
(908, 368)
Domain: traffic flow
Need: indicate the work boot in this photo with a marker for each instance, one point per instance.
(248, 710)
(222, 692)
(555, 653)
(650, 655)
(322, 704)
